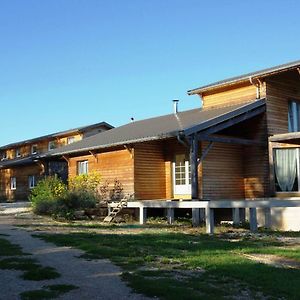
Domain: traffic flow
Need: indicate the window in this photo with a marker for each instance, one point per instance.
(294, 116)
(82, 167)
(70, 140)
(286, 167)
(52, 145)
(4, 155)
(13, 183)
(31, 181)
(18, 152)
(34, 149)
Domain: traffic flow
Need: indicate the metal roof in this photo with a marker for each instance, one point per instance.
(7, 163)
(246, 77)
(57, 134)
(162, 127)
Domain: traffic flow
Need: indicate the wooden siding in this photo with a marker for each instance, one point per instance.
(229, 96)
(222, 172)
(21, 173)
(42, 146)
(117, 164)
(150, 175)
(280, 89)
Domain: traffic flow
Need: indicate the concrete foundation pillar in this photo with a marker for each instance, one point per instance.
(143, 215)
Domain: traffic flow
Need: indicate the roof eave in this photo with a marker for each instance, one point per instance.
(84, 150)
(228, 83)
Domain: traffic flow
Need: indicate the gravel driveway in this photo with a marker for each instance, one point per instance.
(95, 279)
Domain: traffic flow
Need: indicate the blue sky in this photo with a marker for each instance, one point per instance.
(67, 63)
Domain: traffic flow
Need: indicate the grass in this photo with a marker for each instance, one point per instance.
(9, 249)
(15, 260)
(48, 292)
(32, 270)
(170, 265)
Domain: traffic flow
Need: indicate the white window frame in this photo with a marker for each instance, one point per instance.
(18, 152)
(32, 149)
(293, 116)
(52, 145)
(297, 168)
(70, 140)
(31, 181)
(82, 167)
(13, 183)
(182, 189)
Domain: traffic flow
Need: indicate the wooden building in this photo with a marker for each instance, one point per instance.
(235, 146)
(19, 168)
(218, 151)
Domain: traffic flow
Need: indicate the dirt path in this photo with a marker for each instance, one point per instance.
(96, 279)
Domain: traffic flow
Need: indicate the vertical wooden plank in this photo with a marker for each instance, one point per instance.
(236, 216)
(194, 165)
(253, 219)
(195, 216)
(268, 219)
(271, 171)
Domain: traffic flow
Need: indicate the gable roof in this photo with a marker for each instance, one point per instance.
(246, 77)
(162, 127)
(81, 129)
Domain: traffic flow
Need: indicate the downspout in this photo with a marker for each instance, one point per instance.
(181, 139)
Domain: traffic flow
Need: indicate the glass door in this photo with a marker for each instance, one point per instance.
(181, 175)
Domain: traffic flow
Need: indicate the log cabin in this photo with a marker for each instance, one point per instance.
(241, 143)
(19, 168)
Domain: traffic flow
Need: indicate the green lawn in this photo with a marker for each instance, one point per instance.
(176, 265)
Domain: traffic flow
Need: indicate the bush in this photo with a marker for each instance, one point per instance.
(44, 196)
(85, 183)
(51, 197)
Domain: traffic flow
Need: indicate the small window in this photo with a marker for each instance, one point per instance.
(52, 145)
(34, 149)
(13, 183)
(4, 155)
(31, 181)
(70, 140)
(294, 116)
(82, 167)
(18, 152)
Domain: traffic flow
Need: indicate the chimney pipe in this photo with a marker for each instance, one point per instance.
(175, 106)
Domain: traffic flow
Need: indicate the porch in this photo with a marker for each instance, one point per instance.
(205, 209)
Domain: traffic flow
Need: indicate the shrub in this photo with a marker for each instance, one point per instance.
(44, 196)
(68, 204)
(85, 182)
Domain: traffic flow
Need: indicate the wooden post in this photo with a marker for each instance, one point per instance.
(210, 220)
(170, 215)
(271, 171)
(143, 215)
(253, 219)
(202, 215)
(195, 216)
(236, 216)
(194, 165)
(268, 219)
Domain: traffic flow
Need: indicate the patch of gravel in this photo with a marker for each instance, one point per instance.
(96, 279)
(13, 208)
(273, 260)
